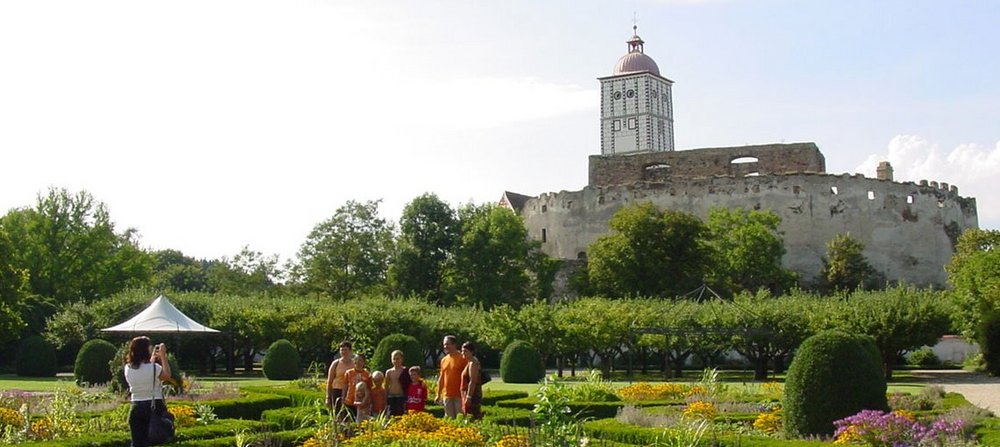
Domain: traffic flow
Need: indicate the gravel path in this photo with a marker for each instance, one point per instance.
(982, 391)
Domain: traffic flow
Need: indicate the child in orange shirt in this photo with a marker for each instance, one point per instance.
(352, 378)
(378, 393)
(416, 393)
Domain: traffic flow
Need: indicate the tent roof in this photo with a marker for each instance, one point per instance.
(161, 316)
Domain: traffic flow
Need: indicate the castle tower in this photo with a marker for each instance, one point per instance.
(636, 105)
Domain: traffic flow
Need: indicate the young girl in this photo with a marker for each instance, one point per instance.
(352, 378)
(416, 394)
(397, 382)
(378, 393)
(362, 401)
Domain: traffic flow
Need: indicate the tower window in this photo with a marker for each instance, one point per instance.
(544, 234)
(631, 123)
(616, 126)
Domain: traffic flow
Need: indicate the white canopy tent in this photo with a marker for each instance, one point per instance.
(160, 317)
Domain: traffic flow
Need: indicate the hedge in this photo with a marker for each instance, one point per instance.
(613, 430)
(491, 397)
(288, 418)
(594, 410)
(299, 396)
(220, 428)
(288, 438)
(250, 406)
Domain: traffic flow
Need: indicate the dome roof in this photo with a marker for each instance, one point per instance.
(635, 62)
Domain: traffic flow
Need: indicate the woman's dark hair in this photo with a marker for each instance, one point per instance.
(346, 344)
(470, 346)
(138, 351)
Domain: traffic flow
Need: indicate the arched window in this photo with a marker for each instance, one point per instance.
(742, 160)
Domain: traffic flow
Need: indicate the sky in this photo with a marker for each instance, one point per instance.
(213, 125)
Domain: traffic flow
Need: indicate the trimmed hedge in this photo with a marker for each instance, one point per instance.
(521, 363)
(289, 438)
(299, 396)
(282, 361)
(615, 431)
(288, 418)
(491, 397)
(832, 376)
(92, 362)
(250, 406)
(36, 358)
(221, 428)
(381, 360)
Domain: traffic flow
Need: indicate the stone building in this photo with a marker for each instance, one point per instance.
(909, 229)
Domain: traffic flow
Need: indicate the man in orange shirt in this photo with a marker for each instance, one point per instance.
(449, 389)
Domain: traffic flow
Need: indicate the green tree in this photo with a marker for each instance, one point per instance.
(899, 319)
(348, 254)
(174, 271)
(70, 249)
(845, 266)
(493, 259)
(766, 328)
(748, 250)
(974, 272)
(428, 236)
(249, 272)
(13, 282)
(649, 253)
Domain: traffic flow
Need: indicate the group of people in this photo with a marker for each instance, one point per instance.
(350, 387)
(352, 391)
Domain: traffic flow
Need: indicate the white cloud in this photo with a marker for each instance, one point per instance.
(973, 168)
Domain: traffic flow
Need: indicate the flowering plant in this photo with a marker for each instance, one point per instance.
(880, 429)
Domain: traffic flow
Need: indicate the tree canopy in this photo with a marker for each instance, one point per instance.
(427, 239)
(845, 266)
(748, 250)
(649, 253)
(974, 272)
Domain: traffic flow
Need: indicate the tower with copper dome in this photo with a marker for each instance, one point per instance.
(636, 105)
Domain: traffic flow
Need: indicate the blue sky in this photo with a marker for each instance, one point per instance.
(210, 125)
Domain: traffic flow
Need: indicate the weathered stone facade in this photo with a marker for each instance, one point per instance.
(909, 230)
(606, 170)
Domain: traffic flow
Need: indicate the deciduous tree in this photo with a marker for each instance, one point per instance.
(974, 272)
(348, 254)
(845, 266)
(649, 253)
(748, 250)
(428, 236)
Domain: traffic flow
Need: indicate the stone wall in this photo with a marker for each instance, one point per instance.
(909, 230)
(607, 170)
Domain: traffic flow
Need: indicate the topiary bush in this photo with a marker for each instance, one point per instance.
(92, 362)
(36, 358)
(412, 354)
(832, 376)
(521, 363)
(282, 361)
(924, 358)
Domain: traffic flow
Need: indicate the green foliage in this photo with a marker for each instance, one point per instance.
(348, 254)
(974, 272)
(899, 319)
(70, 249)
(521, 363)
(831, 377)
(13, 282)
(248, 272)
(282, 361)
(92, 362)
(493, 260)
(649, 253)
(250, 406)
(36, 358)
(845, 266)
(748, 250)
(989, 342)
(924, 358)
(382, 360)
(428, 236)
(594, 389)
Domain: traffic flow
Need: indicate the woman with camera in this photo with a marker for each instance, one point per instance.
(145, 376)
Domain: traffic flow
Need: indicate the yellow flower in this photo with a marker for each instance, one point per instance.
(696, 390)
(42, 429)
(646, 391)
(513, 441)
(769, 422)
(906, 414)
(848, 436)
(700, 410)
(10, 417)
(184, 416)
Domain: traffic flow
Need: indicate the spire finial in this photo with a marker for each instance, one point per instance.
(635, 23)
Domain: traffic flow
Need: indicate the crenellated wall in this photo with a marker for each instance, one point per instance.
(909, 230)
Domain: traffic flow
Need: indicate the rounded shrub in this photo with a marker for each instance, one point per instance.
(521, 363)
(36, 358)
(282, 361)
(92, 362)
(924, 358)
(833, 375)
(412, 354)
